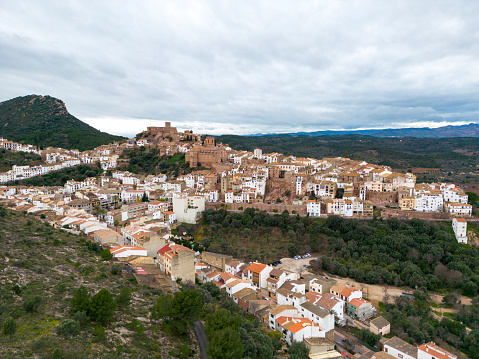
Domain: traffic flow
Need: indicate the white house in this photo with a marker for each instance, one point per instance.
(257, 273)
(432, 351)
(233, 267)
(313, 208)
(320, 316)
(281, 311)
(126, 251)
(236, 285)
(299, 329)
(457, 208)
(188, 208)
(459, 226)
(400, 349)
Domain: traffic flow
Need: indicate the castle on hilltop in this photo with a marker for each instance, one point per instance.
(164, 132)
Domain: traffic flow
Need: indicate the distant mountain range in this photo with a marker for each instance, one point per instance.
(45, 121)
(471, 130)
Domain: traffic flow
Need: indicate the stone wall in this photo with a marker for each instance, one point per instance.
(301, 210)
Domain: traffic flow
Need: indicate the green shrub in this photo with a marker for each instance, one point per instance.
(123, 299)
(106, 255)
(9, 326)
(115, 269)
(68, 327)
(32, 304)
(99, 335)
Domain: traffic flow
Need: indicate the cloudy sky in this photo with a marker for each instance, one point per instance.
(246, 66)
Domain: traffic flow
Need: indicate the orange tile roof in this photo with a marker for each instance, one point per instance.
(436, 351)
(256, 267)
(179, 247)
(301, 325)
(357, 302)
(348, 291)
(282, 320)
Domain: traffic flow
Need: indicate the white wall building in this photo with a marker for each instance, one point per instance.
(459, 226)
(188, 208)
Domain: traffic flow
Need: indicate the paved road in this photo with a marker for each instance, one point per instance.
(358, 348)
(201, 336)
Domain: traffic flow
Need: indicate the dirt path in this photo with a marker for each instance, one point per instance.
(377, 293)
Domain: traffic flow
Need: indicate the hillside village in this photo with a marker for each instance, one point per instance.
(137, 217)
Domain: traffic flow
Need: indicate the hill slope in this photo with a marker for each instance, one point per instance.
(45, 121)
(41, 269)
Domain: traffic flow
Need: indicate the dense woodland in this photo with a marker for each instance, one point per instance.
(59, 178)
(455, 155)
(44, 121)
(415, 321)
(411, 253)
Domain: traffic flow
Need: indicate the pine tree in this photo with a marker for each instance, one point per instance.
(102, 307)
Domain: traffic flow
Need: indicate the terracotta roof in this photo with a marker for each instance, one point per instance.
(233, 263)
(234, 283)
(281, 308)
(357, 302)
(437, 352)
(121, 249)
(213, 274)
(256, 267)
(102, 233)
(164, 249)
(382, 355)
(244, 292)
(282, 320)
(227, 276)
(327, 301)
(300, 325)
(179, 247)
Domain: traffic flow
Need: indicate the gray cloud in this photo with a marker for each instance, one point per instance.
(246, 67)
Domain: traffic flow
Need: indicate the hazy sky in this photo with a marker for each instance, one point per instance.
(246, 66)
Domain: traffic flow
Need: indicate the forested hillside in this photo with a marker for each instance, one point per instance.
(44, 121)
(411, 253)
